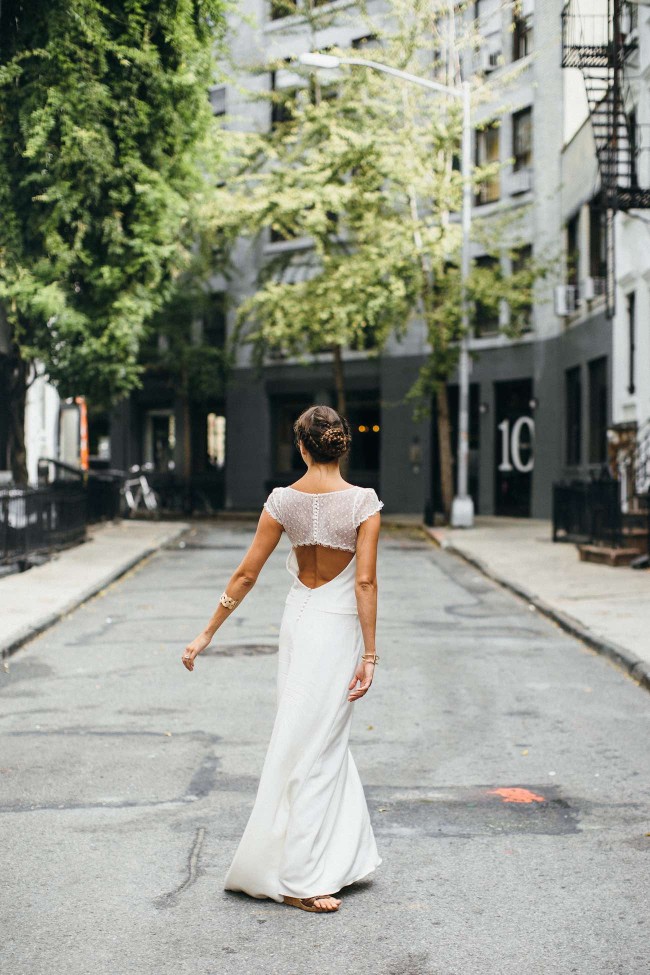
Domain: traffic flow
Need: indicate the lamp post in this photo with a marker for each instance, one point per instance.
(462, 510)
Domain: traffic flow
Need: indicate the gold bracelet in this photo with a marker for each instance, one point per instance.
(228, 601)
(373, 656)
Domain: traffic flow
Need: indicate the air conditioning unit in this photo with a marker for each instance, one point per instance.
(591, 288)
(521, 180)
(489, 59)
(566, 300)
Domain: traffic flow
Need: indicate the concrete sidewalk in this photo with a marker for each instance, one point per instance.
(608, 608)
(31, 601)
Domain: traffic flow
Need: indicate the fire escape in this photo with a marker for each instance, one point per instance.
(604, 46)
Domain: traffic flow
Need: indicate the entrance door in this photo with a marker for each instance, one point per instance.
(514, 439)
(160, 439)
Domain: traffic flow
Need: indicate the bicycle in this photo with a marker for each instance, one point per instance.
(137, 491)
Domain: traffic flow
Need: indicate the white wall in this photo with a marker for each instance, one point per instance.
(633, 262)
(41, 424)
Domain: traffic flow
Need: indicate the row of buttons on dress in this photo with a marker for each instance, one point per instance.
(315, 513)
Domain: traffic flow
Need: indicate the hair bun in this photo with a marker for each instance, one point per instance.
(324, 433)
(334, 441)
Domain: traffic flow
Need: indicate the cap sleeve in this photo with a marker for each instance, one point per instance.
(272, 504)
(369, 504)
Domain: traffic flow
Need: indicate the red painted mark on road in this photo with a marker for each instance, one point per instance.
(517, 795)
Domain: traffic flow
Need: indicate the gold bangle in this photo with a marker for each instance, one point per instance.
(372, 656)
(228, 601)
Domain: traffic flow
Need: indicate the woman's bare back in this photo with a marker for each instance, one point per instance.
(318, 564)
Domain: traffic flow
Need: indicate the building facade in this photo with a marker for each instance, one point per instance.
(540, 405)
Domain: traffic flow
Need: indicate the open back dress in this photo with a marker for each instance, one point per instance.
(309, 832)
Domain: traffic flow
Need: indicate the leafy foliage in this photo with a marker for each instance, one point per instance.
(360, 176)
(106, 142)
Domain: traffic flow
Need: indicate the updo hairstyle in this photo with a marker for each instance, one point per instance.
(324, 433)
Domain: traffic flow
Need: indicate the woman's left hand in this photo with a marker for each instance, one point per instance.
(193, 649)
(363, 676)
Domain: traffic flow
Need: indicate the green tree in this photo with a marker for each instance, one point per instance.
(106, 147)
(364, 171)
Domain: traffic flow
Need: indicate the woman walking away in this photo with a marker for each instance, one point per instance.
(309, 833)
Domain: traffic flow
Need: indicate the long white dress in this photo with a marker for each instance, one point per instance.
(309, 832)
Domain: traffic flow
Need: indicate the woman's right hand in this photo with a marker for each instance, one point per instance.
(193, 649)
(363, 677)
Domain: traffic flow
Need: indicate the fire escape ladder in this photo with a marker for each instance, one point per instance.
(601, 46)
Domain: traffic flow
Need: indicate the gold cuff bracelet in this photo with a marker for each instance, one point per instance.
(228, 601)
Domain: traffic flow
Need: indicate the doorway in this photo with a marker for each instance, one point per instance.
(514, 447)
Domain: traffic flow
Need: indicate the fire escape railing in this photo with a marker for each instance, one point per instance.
(601, 46)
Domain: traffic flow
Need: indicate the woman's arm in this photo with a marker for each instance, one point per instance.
(366, 593)
(241, 582)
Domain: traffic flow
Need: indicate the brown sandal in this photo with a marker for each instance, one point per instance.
(308, 903)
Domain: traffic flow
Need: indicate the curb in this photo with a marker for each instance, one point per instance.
(638, 669)
(29, 632)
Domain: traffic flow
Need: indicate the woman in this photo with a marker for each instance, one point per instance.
(309, 833)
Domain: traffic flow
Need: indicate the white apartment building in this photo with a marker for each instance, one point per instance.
(540, 405)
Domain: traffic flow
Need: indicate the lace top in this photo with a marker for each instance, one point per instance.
(322, 519)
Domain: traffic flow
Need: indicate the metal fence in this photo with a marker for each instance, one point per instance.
(587, 512)
(35, 521)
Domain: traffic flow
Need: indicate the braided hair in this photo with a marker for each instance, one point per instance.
(324, 433)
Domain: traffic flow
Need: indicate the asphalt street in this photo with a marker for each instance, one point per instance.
(126, 782)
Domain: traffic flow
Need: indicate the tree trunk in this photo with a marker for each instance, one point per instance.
(444, 449)
(18, 370)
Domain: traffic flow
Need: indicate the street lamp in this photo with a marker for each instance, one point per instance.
(462, 509)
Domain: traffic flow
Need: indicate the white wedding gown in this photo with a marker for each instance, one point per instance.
(309, 832)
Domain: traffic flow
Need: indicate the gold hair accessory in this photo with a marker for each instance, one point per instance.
(228, 601)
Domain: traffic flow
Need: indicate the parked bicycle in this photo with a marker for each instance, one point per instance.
(137, 491)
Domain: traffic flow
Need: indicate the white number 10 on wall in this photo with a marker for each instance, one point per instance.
(511, 445)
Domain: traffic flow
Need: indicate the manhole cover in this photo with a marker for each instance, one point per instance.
(241, 650)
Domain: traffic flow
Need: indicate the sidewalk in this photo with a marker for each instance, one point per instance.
(31, 601)
(608, 608)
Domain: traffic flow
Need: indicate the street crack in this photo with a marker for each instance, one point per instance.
(170, 899)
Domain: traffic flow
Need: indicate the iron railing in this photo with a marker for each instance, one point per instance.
(36, 521)
(587, 512)
(103, 487)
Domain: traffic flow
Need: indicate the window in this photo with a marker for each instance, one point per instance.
(522, 314)
(572, 249)
(486, 309)
(281, 101)
(368, 40)
(597, 242)
(217, 98)
(598, 410)
(522, 139)
(630, 303)
(319, 92)
(573, 415)
(282, 8)
(214, 320)
(216, 440)
(487, 152)
(522, 33)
